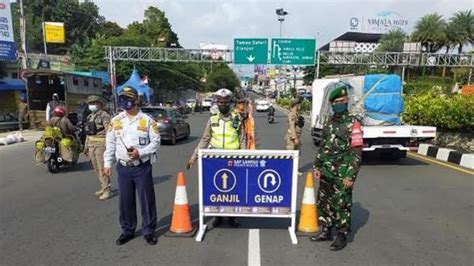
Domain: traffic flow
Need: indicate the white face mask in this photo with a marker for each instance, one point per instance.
(93, 108)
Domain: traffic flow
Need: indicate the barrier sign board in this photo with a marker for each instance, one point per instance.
(247, 183)
(288, 51)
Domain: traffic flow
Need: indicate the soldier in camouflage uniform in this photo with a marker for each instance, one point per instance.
(336, 166)
(96, 129)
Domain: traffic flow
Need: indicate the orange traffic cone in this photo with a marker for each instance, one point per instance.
(181, 220)
(308, 223)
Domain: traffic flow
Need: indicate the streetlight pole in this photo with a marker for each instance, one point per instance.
(281, 13)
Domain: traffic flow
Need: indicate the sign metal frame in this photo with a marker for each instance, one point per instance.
(252, 154)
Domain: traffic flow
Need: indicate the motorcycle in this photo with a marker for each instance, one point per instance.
(271, 118)
(54, 153)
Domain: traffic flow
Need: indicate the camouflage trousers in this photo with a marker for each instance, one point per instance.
(334, 205)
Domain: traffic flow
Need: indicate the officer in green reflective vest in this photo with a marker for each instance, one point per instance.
(224, 130)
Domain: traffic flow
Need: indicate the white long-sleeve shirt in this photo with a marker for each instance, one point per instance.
(140, 132)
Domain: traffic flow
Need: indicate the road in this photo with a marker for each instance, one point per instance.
(408, 212)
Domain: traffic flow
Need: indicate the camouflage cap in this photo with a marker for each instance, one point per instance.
(129, 92)
(295, 102)
(94, 98)
(338, 92)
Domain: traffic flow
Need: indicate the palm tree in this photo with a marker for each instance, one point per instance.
(430, 32)
(461, 29)
(393, 41)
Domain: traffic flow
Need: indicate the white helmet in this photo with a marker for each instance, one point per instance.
(224, 93)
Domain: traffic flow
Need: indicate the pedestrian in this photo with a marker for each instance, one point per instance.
(336, 166)
(51, 105)
(224, 130)
(295, 125)
(95, 128)
(22, 112)
(133, 139)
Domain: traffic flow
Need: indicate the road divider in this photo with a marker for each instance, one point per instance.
(448, 155)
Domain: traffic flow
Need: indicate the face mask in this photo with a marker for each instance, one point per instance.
(224, 109)
(93, 108)
(339, 107)
(126, 103)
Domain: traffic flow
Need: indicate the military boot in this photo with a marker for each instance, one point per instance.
(325, 234)
(106, 195)
(339, 243)
(100, 192)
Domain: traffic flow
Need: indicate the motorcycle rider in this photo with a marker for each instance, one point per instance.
(271, 113)
(61, 121)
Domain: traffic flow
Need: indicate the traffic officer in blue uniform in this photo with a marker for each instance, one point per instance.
(132, 140)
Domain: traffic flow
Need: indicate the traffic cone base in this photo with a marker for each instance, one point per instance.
(181, 220)
(308, 223)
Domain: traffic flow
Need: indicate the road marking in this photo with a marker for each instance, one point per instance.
(417, 156)
(254, 247)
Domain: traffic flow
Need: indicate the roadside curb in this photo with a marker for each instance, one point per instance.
(448, 155)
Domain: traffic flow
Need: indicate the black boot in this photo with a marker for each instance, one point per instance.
(324, 234)
(233, 222)
(340, 242)
(217, 221)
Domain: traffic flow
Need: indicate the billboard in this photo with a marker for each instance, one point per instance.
(7, 42)
(382, 23)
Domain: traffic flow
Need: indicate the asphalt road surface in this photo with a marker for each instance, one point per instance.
(406, 212)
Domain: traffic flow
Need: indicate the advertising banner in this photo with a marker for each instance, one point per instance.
(7, 42)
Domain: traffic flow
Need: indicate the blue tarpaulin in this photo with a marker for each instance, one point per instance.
(136, 82)
(103, 75)
(12, 85)
(384, 101)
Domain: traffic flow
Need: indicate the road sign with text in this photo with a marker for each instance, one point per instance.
(286, 51)
(250, 51)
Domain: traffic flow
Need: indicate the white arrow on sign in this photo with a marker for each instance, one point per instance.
(265, 180)
(250, 58)
(275, 48)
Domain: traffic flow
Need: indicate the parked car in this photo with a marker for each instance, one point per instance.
(262, 105)
(206, 104)
(170, 122)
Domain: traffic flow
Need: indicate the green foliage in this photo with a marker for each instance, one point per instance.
(392, 42)
(305, 106)
(81, 19)
(283, 102)
(222, 77)
(433, 84)
(460, 30)
(430, 31)
(449, 113)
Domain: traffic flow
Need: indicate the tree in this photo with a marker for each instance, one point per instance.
(430, 32)
(392, 42)
(460, 30)
(110, 29)
(81, 21)
(156, 26)
(222, 77)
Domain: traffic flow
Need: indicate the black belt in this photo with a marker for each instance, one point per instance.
(132, 163)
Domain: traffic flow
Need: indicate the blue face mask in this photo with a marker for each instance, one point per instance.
(126, 103)
(339, 107)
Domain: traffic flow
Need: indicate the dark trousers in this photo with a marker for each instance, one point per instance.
(141, 179)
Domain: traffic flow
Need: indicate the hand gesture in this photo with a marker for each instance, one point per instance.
(133, 154)
(107, 171)
(190, 163)
(347, 183)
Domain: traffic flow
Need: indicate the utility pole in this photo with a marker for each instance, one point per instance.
(23, 36)
(281, 17)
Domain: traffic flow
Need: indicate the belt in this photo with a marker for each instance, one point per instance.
(97, 138)
(132, 163)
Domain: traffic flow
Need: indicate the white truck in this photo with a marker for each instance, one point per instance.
(392, 140)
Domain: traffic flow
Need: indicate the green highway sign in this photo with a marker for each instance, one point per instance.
(293, 51)
(250, 51)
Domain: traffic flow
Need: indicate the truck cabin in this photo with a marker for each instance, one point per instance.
(72, 89)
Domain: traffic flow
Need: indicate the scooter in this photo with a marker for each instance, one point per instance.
(53, 158)
(271, 118)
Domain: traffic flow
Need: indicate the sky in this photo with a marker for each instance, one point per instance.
(219, 21)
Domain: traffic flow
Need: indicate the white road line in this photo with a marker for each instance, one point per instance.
(254, 247)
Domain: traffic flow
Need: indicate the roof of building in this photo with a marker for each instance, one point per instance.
(355, 37)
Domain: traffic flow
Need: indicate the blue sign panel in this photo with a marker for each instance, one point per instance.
(247, 186)
(7, 42)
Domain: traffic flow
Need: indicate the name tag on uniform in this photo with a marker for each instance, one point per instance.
(142, 141)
